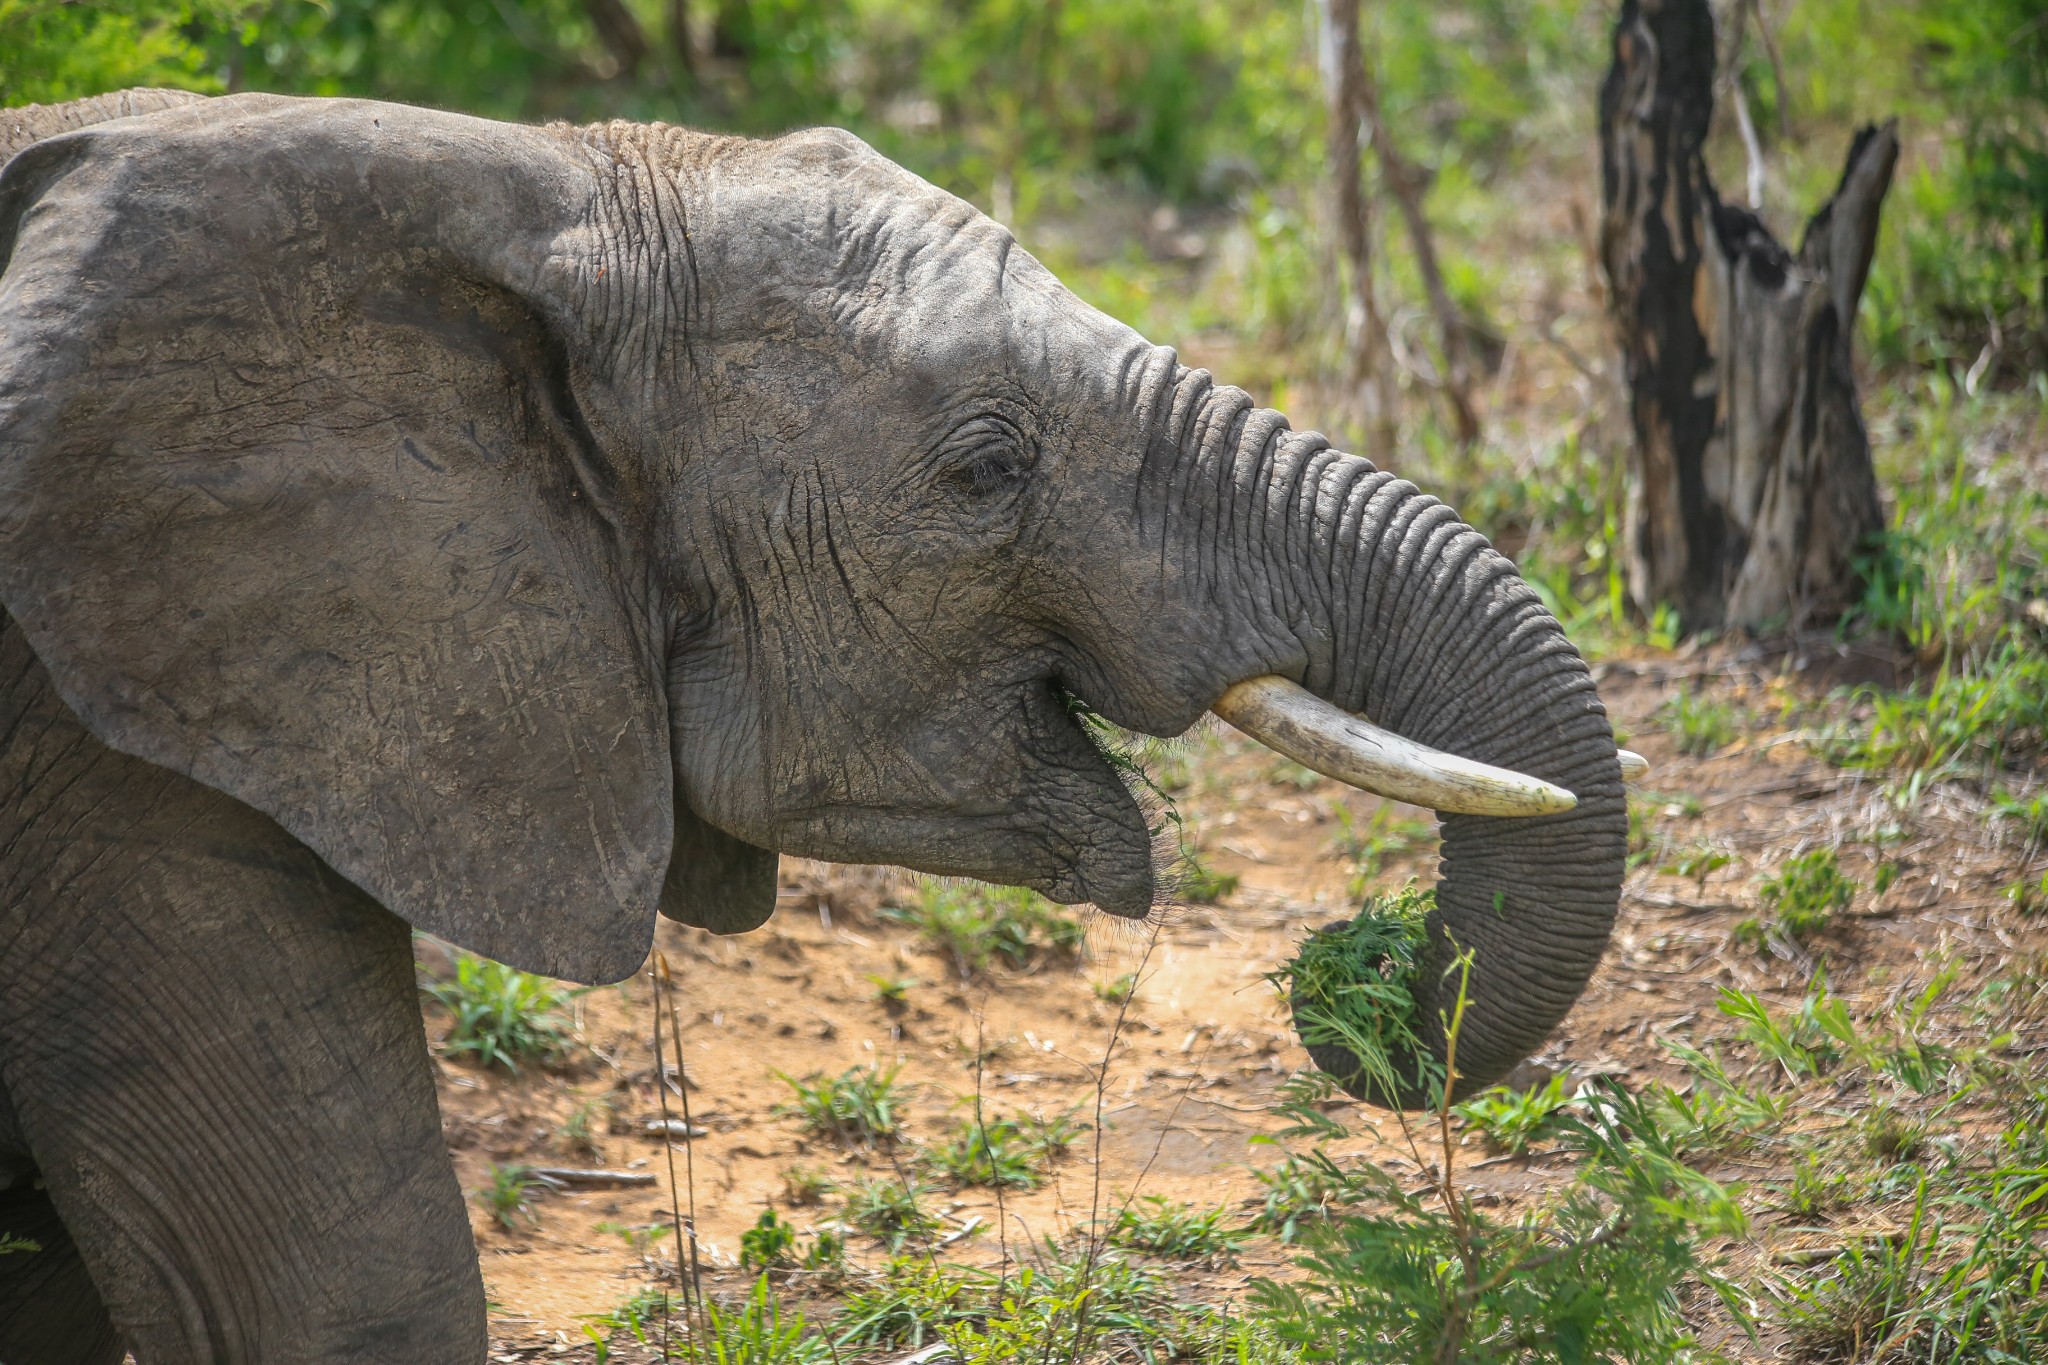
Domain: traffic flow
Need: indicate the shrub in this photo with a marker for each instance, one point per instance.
(856, 1106)
(501, 1016)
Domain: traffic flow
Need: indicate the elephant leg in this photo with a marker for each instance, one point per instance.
(213, 1050)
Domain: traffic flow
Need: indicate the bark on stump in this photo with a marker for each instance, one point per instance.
(1752, 489)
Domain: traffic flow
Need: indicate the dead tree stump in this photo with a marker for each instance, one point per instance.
(1751, 487)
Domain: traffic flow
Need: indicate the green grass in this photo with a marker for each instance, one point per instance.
(1158, 1227)
(1003, 1153)
(1349, 986)
(857, 1106)
(806, 1186)
(1701, 725)
(1803, 897)
(894, 1212)
(11, 1245)
(500, 1016)
(508, 1196)
(1117, 989)
(1365, 845)
(1302, 1190)
(976, 925)
(1197, 883)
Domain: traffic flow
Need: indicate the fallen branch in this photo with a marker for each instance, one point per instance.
(588, 1179)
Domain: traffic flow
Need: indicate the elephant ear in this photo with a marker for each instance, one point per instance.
(296, 497)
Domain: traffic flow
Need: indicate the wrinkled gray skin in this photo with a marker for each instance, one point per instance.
(409, 519)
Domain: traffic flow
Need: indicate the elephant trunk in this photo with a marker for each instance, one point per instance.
(1392, 607)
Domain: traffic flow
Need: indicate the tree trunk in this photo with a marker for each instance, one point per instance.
(1752, 489)
(1365, 328)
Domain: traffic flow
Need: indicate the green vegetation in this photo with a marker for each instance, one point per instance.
(772, 1244)
(1512, 1119)
(1005, 1152)
(1350, 986)
(501, 1016)
(10, 1244)
(1199, 884)
(1154, 1226)
(891, 1211)
(1804, 896)
(974, 925)
(507, 1198)
(1700, 724)
(857, 1106)
(1117, 989)
(806, 1186)
(1367, 844)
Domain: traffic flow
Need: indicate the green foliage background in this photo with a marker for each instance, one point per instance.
(1028, 106)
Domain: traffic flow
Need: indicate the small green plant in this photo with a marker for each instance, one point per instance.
(768, 1245)
(1156, 1226)
(2029, 895)
(641, 1240)
(501, 1016)
(1116, 990)
(806, 1187)
(1816, 1189)
(1005, 1152)
(1350, 987)
(1804, 896)
(507, 1197)
(10, 1244)
(759, 1331)
(1700, 725)
(645, 1310)
(891, 1211)
(1647, 811)
(578, 1132)
(975, 925)
(893, 992)
(1510, 1120)
(1697, 862)
(856, 1106)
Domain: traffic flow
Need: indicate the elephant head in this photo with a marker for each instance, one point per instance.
(547, 525)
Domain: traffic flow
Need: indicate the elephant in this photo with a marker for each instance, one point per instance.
(413, 521)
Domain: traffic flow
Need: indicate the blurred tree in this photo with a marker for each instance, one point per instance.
(52, 50)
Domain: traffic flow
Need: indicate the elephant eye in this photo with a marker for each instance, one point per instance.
(985, 457)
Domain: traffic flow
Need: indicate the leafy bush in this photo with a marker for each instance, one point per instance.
(974, 925)
(1593, 1276)
(1349, 985)
(1305, 1189)
(502, 1016)
(856, 1106)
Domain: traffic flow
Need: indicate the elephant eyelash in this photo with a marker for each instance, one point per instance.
(989, 457)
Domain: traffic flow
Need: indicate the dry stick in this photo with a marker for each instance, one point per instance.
(675, 1208)
(693, 1296)
(1409, 182)
(981, 1127)
(1365, 328)
(1095, 1188)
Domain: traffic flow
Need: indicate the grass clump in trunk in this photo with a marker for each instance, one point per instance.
(1351, 986)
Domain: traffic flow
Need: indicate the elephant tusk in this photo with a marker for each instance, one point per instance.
(1287, 717)
(1634, 767)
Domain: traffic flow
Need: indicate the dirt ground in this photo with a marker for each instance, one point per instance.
(1184, 1084)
